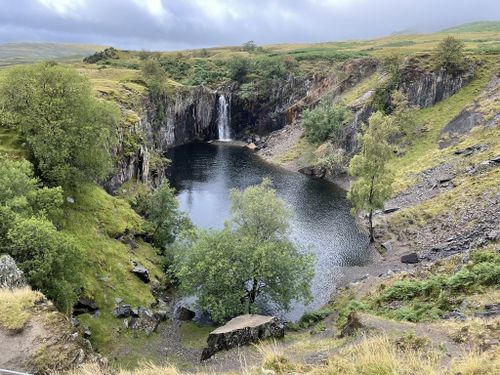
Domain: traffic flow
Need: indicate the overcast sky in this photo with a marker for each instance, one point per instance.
(180, 24)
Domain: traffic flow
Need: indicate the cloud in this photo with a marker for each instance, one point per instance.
(176, 24)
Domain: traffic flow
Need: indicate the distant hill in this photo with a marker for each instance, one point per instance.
(475, 27)
(19, 53)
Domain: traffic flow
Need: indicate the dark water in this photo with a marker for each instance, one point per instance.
(204, 173)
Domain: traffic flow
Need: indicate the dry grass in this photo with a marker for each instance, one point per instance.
(475, 363)
(378, 355)
(15, 307)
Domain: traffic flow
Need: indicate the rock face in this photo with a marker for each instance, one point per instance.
(242, 330)
(84, 305)
(425, 88)
(11, 277)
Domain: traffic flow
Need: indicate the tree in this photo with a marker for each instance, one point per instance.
(249, 46)
(373, 180)
(323, 121)
(69, 133)
(161, 210)
(449, 55)
(251, 259)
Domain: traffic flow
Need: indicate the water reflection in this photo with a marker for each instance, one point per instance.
(203, 175)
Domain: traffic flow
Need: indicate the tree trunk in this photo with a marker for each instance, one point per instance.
(372, 238)
(253, 294)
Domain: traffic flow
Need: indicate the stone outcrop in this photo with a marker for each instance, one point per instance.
(425, 88)
(242, 330)
(11, 277)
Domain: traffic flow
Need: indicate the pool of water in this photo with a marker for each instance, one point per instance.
(203, 174)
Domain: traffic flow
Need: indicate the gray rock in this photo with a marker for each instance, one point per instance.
(87, 333)
(84, 305)
(411, 258)
(455, 314)
(118, 300)
(74, 322)
(141, 272)
(123, 311)
(391, 209)
(387, 246)
(242, 330)
(315, 172)
(70, 200)
(490, 310)
(11, 277)
(184, 314)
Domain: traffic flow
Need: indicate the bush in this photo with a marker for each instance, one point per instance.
(449, 55)
(238, 69)
(324, 121)
(48, 258)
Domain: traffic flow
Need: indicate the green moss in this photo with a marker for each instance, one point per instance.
(94, 221)
(194, 335)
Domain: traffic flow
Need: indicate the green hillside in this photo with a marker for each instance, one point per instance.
(21, 53)
(475, 27)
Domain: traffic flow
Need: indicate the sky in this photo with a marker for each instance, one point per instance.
(184, 24)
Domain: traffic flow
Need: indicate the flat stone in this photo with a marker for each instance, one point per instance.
(123, 311)
(391, 210)
(242, 330)
(411, 258)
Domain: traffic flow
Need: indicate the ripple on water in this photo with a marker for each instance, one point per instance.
(203, 174)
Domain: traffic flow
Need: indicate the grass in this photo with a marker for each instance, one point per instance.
(302, 149)
(94, 221)
(10, 142)
(194, 335)
(16, 307)
(424, 152)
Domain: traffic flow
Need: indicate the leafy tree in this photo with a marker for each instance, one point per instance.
(48, 258)
(164, 220)
(239, 68)
(391, 66)
(373, 180)
(69, 133)
(249, 46)
(323, 121)
(449, 55)
(250, 260)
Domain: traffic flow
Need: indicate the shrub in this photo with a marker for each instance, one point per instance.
(449, 55)
(238, 69)
(323, 121)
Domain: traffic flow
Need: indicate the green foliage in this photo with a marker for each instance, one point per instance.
(324, 121)
(373, 180)
(249, 46)
(238, 68)
(108, 53)
(449, 55)
(403, 116)
(251, 258)
(164, 220)
(381, 99)
(310, 318)
(427, 299)
(49, 259)
(69, 133)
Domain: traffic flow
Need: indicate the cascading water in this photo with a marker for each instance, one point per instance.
(223, 120)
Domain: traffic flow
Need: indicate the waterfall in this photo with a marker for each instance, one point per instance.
(223, 120)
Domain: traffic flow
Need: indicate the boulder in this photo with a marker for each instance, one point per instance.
(184, 314)
(242, 330)
(84, 305)
(124, 311)
(386, 246)
(315, 172)
(11, 277)
(411, 258)
(252, 146)
(141, 272)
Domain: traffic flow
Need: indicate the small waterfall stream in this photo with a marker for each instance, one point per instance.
(223, 120)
